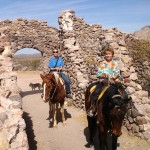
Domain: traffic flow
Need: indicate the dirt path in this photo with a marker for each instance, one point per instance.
(70, 137)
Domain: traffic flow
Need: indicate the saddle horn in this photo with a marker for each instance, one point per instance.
(117, 95)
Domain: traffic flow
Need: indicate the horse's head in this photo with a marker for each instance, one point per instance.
(118, 109)
(48, 84)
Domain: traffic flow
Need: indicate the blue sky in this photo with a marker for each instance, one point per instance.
(126, 15)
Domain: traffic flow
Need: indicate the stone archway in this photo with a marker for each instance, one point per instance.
(21, 33)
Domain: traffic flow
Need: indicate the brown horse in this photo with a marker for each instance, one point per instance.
(111, 109)
(54, 93)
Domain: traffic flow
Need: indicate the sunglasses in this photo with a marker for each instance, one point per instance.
(55, 52)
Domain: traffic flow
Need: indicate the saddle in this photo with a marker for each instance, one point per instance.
(99, 93)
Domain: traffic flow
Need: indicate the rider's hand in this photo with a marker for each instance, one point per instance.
(56, 69)
(113, 78)
(59, 69)
(105, 75)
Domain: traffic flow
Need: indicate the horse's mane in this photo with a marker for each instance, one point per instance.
(107, 97)
(58, 78)
(56, 75)
(111, 91)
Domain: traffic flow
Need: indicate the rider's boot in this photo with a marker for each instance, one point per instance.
(94, 98)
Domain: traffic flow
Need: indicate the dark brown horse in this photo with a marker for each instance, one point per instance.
(54, 93)
(111, 109)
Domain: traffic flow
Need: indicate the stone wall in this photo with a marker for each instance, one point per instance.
(81, 46)
(15, 35)
(82, 49)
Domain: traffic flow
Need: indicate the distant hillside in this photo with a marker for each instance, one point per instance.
(24, 62)
(36, 55)
(143, 33)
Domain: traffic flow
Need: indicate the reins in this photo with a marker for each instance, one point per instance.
(55, 88)
(110, 82)
(53, 92)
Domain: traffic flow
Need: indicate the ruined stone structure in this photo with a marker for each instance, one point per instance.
(81, 47)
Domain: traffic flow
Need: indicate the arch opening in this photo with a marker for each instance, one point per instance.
(27, 59)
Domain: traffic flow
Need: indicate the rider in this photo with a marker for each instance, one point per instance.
(56, 63)
(107, 69)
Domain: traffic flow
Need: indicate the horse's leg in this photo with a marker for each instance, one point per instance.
(92, 130)
(102, 138)
(54, 113)
(114, 142)
(103, 142)
(62, 113)
(48, 118)
(50, 112)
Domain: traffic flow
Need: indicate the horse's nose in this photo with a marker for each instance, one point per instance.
(117, 133)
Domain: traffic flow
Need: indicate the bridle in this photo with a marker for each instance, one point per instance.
(53, 91)
(55, 88)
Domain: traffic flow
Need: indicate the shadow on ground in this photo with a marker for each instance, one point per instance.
(25, 93)
(59, 117)
(30, 131)
(95, 138)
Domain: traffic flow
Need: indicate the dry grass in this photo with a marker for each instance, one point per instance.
(139, 50)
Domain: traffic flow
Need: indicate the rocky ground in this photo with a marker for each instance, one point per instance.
(72, 136)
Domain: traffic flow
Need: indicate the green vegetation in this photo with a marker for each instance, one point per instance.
(140, 50)
(30, 63)
(90, 60)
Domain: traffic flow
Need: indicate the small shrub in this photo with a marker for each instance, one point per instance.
(139, 50)
(90, 60)
(32, 63)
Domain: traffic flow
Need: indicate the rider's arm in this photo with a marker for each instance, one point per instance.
(116, 71)
(52, 69)
(51, 64)
(103, 76)
(115, 76)
(59, 65)
(100, 73)
(60, 68)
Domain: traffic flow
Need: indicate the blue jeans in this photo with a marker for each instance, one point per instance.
(67, 82)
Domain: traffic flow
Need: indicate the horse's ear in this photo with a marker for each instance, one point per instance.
(41, 76)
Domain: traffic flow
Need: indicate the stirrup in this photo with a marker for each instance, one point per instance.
(90, 113)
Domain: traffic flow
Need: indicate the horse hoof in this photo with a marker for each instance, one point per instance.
(64, 123)
(118, 144)
(55, 126)
(47, 118)
(88, 145)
